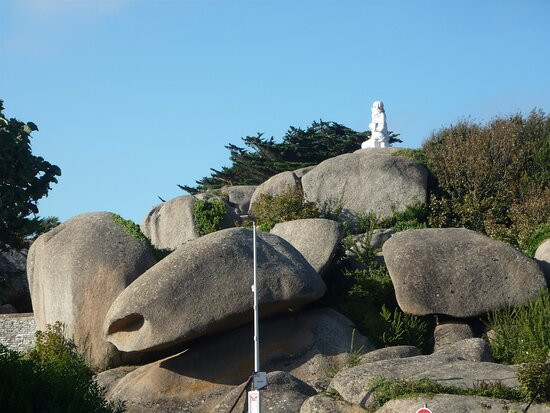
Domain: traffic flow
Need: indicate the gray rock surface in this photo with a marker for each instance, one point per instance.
(284, 393)
(13, 267)
(449, 333)
(450, 403)
(542, 256)
(240, 196)
(471, 349)
(317, 239)
(208, 282)
(280, 183)
(388, 353)
(170, 224)
(17, 331)
(458, 272)
(324, 404)
(76, 271)
(309, 345)
(109, 378)
(353, 383)
(367, 181)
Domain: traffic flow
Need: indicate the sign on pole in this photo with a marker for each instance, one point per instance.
(424, 410)
(254, 401)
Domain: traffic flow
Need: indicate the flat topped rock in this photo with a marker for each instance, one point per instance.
(458, 272)
(367, 180)
(208, 281)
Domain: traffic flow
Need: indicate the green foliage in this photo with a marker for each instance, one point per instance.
(541, 234)
(384, 390)
(262, 158)
(132, 229)
(209, 215)
(24, 179)
(492, 178)
(534, 381)
(51, 378)
(413, 217)
(414, 154)
(286, 206)
(522, 334)
(402, 329)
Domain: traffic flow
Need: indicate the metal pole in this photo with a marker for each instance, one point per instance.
(256, 315)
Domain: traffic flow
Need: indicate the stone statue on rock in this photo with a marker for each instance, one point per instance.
(378, 127)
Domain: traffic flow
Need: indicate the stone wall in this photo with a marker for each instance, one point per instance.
(17, 331)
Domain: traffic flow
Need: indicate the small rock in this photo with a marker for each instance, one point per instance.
(451, 332)
(471, 349)
(324, 404)
(388, 353)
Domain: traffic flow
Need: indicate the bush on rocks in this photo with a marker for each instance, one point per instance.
(209, 215)
(52, 377)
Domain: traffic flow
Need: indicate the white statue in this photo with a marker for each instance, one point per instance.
(379, 129)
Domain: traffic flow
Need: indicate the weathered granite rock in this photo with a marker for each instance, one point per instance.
(368, 180)
(458, 272)
(280, 183)
(388, 353)
(171, 224)
(208, 282)
(285, 393)
(308, 345)
(76, 271)
(13, 266)
(324, 404)
(542, 256)
(109, 378)
(315, 238)
(353, 383)
(450, 332)
(471, 349)
(451, 403)
(240, 196)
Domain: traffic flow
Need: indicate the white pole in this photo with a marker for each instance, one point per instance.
(256, 315)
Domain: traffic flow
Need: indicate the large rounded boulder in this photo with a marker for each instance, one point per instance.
(317, 239)
(76, 271)
(458, 272)
(367, 181)
(208, 282)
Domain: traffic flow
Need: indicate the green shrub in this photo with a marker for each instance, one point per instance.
(415, 154)
(491, 178)
(413, 217)
(209, 215)
(403, 329)
(534, 381)
(384, 390)
(51, 378)
(286, 206)
(541, 234)
(131, 228)
(522, 334)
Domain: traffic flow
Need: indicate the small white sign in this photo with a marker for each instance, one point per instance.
(254, 401)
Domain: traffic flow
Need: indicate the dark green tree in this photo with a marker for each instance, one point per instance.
(262, 158)
(24, 179)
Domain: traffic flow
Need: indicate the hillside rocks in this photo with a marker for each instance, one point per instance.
(451, 403)
(353, 383)
(458, 272)
(170, 224)
(449, 333)
(208, 282)
(388, 353)
(472, 349)
(367, 180)
(324, 404)
(280, 183)
(239, 196)
(316, 239)
(76, 271)
(284, 394)
(308, 345)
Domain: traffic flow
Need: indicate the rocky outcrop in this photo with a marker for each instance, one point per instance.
(367, 180)
(324, 404)
(449, 333)
(451, 403)
(472, 349)
(208, 282)
(284, 394)
(458, 272)
(317, 239)
(239, 196)
(353, 384)
(76, 271)
(308, 345)
(171, 223)
(388, 353)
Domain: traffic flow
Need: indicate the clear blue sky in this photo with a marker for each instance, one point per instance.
(133, 97)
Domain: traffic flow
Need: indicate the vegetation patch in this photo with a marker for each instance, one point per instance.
(132, 229)
(209, 215)
(522, 334)
(52, 377)
(534, 381)
(541, 234)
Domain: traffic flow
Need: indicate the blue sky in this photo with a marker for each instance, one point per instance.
(133, 97)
